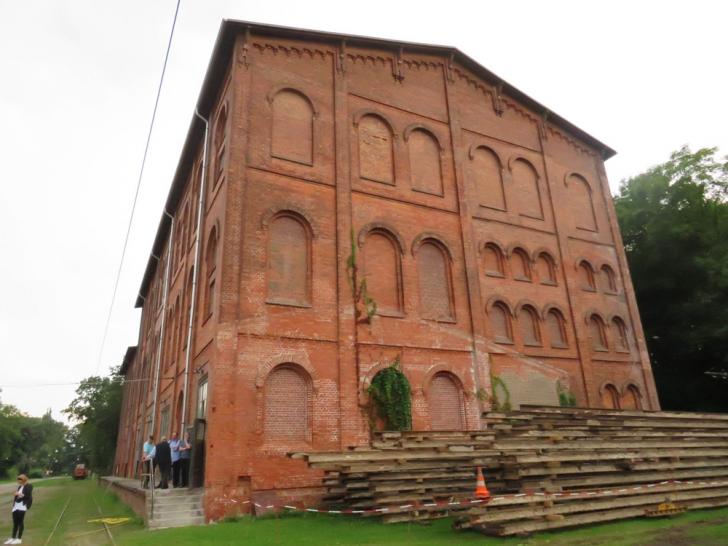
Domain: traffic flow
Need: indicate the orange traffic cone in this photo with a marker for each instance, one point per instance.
(481, 491)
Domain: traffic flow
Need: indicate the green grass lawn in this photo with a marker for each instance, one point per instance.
(703, 528)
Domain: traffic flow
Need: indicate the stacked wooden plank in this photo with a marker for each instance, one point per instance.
(546, 467)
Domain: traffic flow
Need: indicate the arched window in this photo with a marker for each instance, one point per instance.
(433, 267)
(632, 399)
(376, 150)
(210, 267)
(188, 307)
(525, 188)
(493, 260)
(292, 133)
(520, 265)
(621, 341)
(528, 322)
(500, 321)
(582, 203)
(585, 274)
(383, 271)
(487, 176)
(445, 403)
(220, 144)
(546, 268)
(610, 396)
(556, 326)
(597, 333)
(289, 265)
(425, 166)
(287, 404)
(608, 280)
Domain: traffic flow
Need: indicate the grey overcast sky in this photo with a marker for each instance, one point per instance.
(77, 86)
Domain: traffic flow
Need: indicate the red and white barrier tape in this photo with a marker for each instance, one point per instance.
(470, 502)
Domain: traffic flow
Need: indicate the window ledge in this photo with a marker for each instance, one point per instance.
(495, 274)
(288, 303)
(550, 283)
(446, 320)
(504, 341)
(559, 346)
(390, 314)
(600, 349)
(522, 279)
(532, 344)
(588, 289)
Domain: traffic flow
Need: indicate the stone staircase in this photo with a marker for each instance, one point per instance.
(175, 508)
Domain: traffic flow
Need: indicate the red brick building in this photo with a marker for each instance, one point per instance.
(481, 221)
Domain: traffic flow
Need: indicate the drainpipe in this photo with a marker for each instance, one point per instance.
(167, 270)
(195, 273)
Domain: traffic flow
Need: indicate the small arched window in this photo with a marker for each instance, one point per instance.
(289, 264)
(500, 321)
(620, 330)
(425, 166)
(556, 326)
(528, 322)
(597, 333)
(292, 133)
(632, 399)
(520, 265)
(287, 410)
(376, 150)
(546, 268)
(608, 280)
(383, 271)
(486, 173)
(445, 403)
(582, 204)
(210, 267)
(493, 260)
(526, 190)
(433, 267)
(585, 273)
(220, 144)
(610, 396)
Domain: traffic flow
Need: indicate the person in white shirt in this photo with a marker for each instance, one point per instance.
(22, 501)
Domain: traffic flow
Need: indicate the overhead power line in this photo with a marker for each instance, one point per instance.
(136, 193)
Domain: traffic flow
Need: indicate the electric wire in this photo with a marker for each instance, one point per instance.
(136, 193)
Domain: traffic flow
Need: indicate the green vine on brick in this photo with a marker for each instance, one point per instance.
(567, 399)
(359, 288)
(390, 395)
(496, 403)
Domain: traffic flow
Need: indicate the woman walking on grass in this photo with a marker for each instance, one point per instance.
(22, 501)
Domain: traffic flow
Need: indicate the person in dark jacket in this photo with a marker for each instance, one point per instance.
(163, 461)
(22, 501)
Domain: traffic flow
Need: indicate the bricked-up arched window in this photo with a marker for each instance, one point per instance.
(188, 307)
(219, 145)
(546, 268)
(287, 406)
(500, 322)
(582, 204)
(493, 260)
(556, 326)
(608, 280)
(376, 149)
(289, 260)
(610, 396)
(292, 133)
(520, 265)
(445, 403)
(433, 267)
(585, 274)
(597, 333)
(631, 398)
(383, 271)
(528, 322)
(525, 188)
(211, 268)
(487, 175)
(425, 166)
(621, 341)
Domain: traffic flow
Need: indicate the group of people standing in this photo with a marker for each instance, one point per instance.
(167, 455)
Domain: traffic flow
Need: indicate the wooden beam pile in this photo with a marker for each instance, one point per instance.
(546, 467)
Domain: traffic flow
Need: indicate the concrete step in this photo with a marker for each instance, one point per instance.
(164, 510)
(175, 502)
(165, 523)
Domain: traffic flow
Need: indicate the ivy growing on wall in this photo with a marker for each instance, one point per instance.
(499, 402)
(567, 399)
(390, 396)
(359, 288)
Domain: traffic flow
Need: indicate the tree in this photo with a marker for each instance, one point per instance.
(674, 221)
(96, 411)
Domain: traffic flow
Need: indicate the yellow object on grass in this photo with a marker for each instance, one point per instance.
(109, 521)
